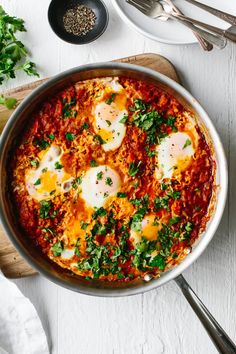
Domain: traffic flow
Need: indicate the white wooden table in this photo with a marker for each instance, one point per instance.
(159, 321)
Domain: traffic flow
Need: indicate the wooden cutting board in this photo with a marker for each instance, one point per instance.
(11, 263)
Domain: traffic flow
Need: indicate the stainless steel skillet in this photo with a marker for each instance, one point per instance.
(16, 125)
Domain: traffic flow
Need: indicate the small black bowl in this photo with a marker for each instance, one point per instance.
(57, 10)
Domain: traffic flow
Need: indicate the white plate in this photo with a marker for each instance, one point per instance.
(170, 31)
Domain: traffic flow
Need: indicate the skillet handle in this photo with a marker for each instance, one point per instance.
(221, 340)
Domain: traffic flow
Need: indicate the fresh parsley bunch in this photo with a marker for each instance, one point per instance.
(13, 54)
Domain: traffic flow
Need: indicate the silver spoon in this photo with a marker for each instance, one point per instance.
(203, 43)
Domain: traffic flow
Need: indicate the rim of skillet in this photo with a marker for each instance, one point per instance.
(212, 225)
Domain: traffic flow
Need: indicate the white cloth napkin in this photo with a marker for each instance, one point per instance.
(21, 331)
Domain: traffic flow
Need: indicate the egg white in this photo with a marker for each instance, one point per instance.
(174, 154)
(108, 116)
(52, 181)
(95, 187)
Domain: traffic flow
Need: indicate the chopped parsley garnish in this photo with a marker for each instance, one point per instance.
(175, 220)
(144, 201)
(157, 261)
(99, 212)
(51, 136)
(137, 219)
(187, 143)
(93, 163)
(48, 230)
(67, 110)
(37, 182)
(142, 256)
(124, 119)
(189, 227)
(134, 168)
(109, 181)
(70, 136)
(53, 192)
(174, 194)
(149, 120)
(139, 105)
(8, 102)
(77, 246)
(41, 144)
(77, 181)
(161, 202)
(171, 123)
(111, 98)
(45, 209)
(85, 126)
(150, 152)
(164, 186)
(99, 175)
(58, 166)
(121, 195)
(99, 139)
(57, 248)
(34, 163)
(83, 225)
(108, 122)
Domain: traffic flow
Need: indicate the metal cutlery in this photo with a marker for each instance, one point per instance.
(154, 9)
(218, 13)
(202, 42)
(229, 33)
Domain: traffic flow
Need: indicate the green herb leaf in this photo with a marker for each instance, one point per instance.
(157, 261)
(109, 181)
(171, 122)
(45, 209)
(70, 136)
(121, 195)
(48, 230)
(93, 163)
(37, 182)
(12, 51)
(137, 219)
(134, 168)
(58, 166)
(68, 109)
(34, 163)
(8, 102)
(83, 225)
(99, 139)
(108, 122)
(85, 126)
(174, 194)
(99, 175)
(111, 98)
(99, 212)
(57, 248)
(187, 143)
(124, 119)
(41, 144)
(161, 202)
(77, 247)
(51, 136)
(175, 220)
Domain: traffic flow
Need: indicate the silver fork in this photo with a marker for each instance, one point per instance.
(207, 46)
(154, 9)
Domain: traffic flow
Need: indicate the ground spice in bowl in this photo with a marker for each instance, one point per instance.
(79, 21)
